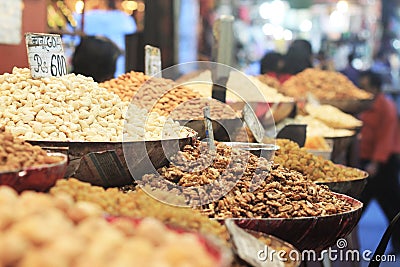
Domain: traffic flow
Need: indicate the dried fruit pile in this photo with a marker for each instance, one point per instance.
(138, 204)
(43, 230)
(16, 154)
(153, 94)
(315, 168)
(329, 85)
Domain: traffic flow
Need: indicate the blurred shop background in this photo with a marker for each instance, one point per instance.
(183, 29)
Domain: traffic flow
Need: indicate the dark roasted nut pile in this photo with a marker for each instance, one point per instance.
(263, 191)
(193, 110)
(315, 168)
(154, 94)
(16, 154)
(138, 204)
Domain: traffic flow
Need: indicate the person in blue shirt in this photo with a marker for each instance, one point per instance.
(108, 21)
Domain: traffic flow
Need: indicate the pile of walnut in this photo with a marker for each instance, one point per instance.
(257, 189)
(315, 168)
(43, 230)
(16, 154)
(154, 94)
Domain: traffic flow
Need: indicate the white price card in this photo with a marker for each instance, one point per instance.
(45, 55)
(152, 61)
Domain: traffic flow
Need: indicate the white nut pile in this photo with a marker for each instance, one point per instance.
(140, 125)
(72, 107)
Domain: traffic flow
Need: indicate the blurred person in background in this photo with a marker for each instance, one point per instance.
(379, 150)
(351, 72)
(323, 61)
(272, 64)
(103, 18)
(96, 57)
(298, 57)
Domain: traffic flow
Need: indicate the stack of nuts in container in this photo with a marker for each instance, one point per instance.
(75, 108)
(55, 230)
(193, 110)
(153, 94)
(136, 203)
(324, 85)
(315, 168)
(16, 154)
(255, 188)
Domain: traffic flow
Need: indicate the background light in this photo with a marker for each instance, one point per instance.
(306, 25)
(268, 29)
(287, 35)
(342, 6)
(79, 5)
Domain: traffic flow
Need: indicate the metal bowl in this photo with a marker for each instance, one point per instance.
(352, 106)
(341, 146)
(308, 233)
(109, 164)
(39, 178)
(352, 188)
(216, 249)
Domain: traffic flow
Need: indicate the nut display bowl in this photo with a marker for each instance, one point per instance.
(113, 164)
(39, 178)
(352, 106)
(341, 146)
(352, 188)
(216, 249)
(316, 233)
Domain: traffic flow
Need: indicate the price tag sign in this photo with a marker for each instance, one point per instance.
(253, 123)
(45, 55)
(209, 128)
(152, 61)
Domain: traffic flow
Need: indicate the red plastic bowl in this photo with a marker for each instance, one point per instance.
(316, 233)
(221, 254)
(39, 178)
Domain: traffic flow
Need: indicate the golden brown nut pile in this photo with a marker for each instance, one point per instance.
(270, 81)
(257, 189)
(329, 85)
(193, 110)
(43, 230)
(16, 154)
(154, 94)
(291, 156)
(126, 85)
(138, 204)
